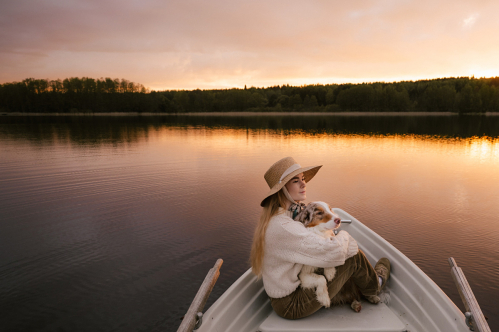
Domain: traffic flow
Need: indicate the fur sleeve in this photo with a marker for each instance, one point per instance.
(294, 243)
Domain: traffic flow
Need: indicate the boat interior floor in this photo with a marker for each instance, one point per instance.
(372, 317)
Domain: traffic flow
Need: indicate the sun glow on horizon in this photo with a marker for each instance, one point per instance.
(473, 73)
(196, 45)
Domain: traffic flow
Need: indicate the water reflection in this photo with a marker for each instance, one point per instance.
(115, 213)
(483, 148)
(45, 129)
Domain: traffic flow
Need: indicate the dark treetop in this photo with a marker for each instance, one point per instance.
(76, 95)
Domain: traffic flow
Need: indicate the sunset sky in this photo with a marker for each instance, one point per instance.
(221, 44)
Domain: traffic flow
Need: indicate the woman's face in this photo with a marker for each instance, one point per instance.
(297, 188)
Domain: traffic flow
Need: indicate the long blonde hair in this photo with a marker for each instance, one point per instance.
(270, 208)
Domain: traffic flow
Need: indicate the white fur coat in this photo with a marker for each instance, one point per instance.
(289, 245)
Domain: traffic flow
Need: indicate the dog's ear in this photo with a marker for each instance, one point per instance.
(301, 216)
(305, 216)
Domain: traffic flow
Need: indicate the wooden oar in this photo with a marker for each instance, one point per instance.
(194, 314)
(474, 315)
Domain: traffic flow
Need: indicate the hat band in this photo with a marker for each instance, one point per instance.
(290, 170)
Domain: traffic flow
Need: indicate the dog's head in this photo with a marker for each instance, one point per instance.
(317, 213)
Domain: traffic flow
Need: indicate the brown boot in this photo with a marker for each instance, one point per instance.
(382, 269)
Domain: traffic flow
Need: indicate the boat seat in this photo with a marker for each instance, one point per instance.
(371, 318)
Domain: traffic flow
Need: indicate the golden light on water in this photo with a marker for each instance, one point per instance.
(93, 191)
(483, 148)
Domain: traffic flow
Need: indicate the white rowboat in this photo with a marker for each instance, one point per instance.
(416, 303)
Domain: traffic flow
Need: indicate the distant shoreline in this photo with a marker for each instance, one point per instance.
(74, 96)
(249, 114)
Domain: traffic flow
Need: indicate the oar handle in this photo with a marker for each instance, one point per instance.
(195, 310)
(474, 316)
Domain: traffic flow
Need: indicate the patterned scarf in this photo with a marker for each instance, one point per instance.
(296, 207)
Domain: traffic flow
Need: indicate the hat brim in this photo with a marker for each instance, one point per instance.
(309, 172)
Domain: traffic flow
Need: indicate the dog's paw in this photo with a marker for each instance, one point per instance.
(373, 299)
(385, 296)
(324, 299)
(356, 306)
(329, 273)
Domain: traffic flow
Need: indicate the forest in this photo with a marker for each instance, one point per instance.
(87, 95)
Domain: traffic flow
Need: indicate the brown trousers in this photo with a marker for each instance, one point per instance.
(303, 302)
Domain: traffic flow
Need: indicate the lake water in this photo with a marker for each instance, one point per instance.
(111, 223)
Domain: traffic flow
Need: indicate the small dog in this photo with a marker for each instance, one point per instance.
(319, 218)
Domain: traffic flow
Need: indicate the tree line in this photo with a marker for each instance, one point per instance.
(460, 95)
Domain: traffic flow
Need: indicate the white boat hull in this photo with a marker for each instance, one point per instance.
(416, 302)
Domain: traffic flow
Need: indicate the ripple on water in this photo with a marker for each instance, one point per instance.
(108, 235)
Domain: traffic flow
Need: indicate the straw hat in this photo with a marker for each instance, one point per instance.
(284, 170)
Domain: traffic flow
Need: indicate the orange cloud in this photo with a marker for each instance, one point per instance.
(218, 44)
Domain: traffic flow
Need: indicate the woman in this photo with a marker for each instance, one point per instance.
(281, 246)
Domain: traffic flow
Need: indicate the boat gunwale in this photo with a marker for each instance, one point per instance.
(442, 315)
